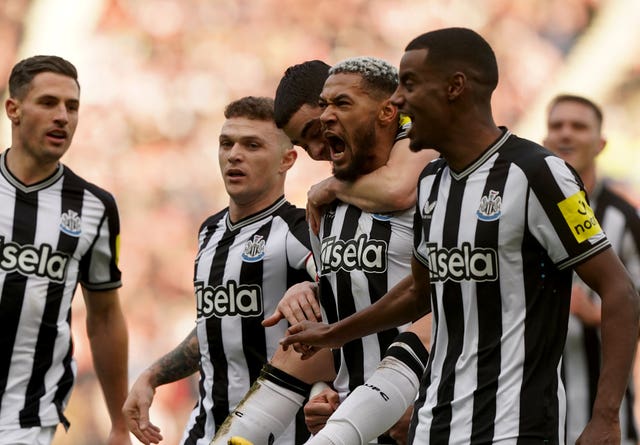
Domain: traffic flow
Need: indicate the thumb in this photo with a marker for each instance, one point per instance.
(272, 319)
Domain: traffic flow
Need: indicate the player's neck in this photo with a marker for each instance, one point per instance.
(28, 169)
(241, 208)
(589, 179)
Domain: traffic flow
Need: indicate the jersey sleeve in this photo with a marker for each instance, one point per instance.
(99, 266)
(559, 215)
(298, 243)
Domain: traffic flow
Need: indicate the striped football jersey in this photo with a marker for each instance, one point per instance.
(53, 234)
(242, 270)
(499, 240)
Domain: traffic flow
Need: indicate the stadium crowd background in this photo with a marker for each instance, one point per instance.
(156, 75)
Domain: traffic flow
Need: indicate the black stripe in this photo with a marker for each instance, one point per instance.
(24, 230)
(72, 200)
(353, 350)
(609, 198)
(379, 282)
(255, 345)
(421, 229)
(216, 348)
(328, 300)
(214, 334)
(285, 380)
(65, 384)
(454, 314)
(489, 307)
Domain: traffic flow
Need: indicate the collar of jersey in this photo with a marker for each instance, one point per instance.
(256, 216)
(482, 159)
(20, 185)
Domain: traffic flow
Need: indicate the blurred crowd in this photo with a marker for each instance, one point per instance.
(156, 75)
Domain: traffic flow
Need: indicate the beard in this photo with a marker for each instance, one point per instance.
(361, 148)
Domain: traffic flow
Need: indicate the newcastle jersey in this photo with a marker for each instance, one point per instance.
(53, 234)
(499, 239)
(582, 354)
(242, 270)
(362, 256)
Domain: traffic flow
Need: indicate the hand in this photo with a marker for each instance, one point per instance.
(583, 307)
(600, 431)
(307, 337)
(136, 411)
(318, 196)
(319, 408)
(119, 436)
(299, 303)
(400, 430)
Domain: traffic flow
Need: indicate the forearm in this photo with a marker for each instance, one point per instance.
(380, 191)
(109, 345)
(181, 362)
(619, 329)
(402, 304)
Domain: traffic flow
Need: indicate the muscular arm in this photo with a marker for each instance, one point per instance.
(605, 274)
(109, 341)
(177, 364)
(390, 188)
(406, 301)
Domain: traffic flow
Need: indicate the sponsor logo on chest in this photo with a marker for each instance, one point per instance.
(462, 263)
(230, 299)
(364, 254)
(27, 259)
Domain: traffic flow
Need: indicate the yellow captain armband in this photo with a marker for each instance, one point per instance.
(237, 440)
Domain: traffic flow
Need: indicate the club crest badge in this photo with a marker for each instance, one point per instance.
(254, 249)
(70, 223)
(489, 209)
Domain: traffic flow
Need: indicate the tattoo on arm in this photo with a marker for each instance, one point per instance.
(183, 361)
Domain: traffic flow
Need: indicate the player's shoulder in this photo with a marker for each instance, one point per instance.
(611, 196)
(290, 212)
(73, 181)
(213, 220)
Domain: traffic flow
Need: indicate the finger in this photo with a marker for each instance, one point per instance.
(314, 223)
(296, 315)
(309, 352)
(273, 319)
(312, 309)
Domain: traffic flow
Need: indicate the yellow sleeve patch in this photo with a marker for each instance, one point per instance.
(117, 259)
(579, 217)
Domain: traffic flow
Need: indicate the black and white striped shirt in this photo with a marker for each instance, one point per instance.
(242, 270)
(362, 256)
(53, 234)
(500, 239)
(582, 353)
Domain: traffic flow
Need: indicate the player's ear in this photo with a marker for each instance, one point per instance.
(388, 113)
(12, 108)
(456, 85)
(288, 159)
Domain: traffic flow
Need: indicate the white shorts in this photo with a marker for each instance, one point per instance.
(28, 436)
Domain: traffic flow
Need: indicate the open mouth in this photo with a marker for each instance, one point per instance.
(235, 173)
(336, 144)
(59, 135)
